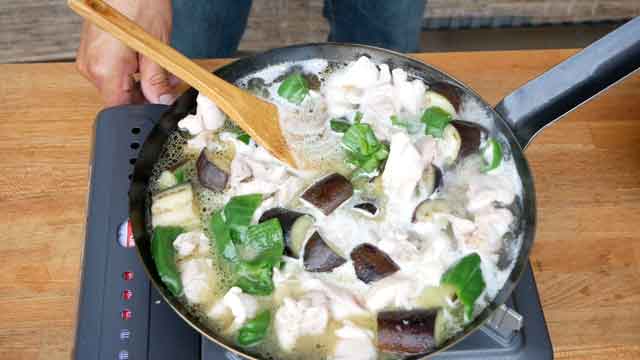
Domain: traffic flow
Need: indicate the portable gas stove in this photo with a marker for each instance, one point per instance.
(122, 317)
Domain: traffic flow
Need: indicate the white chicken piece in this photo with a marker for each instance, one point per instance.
(212, 116)
(307, 316)
(484, 190)
(254, 170)
(343, 304)
(395, 290)
(345, 89)
(354, 343)
(242, 306)
(428, 150)
(491, 223)
(345, 230)
(409, 96)
(462, 228)
(197, 278)
(384, 76)
(207, 117)
(192, 124)
(403, 170)
(377, 107)
(192, 243)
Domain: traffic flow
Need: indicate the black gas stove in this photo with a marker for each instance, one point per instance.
(121, 316)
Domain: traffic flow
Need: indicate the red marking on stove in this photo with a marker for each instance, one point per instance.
(126, 314)
(127, 295)
(125, 235)
(127, 275)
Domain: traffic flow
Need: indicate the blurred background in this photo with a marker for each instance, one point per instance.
(46, 30)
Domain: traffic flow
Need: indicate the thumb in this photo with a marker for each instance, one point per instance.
(155, 81)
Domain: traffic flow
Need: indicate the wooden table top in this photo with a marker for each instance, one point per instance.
(586, 256)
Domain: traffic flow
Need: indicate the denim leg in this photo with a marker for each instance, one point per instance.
(392, 24)
(208, 28)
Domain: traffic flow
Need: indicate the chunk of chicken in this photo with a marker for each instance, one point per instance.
(307, 316)
(343, 304)
(409, 96)
(194, 243)
(242, 306)
(254, 170)
(208, 117)
(403, 170)
(396, 290)
(354, 343)
(345, 89)
(197, 277)
(484, 190)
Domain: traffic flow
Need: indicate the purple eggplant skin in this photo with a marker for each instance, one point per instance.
(209, 175)
(451, 92)
(319, 257)
(329, 193)
(407, 331)
(368, 207)
(286, 218)
(471, 136)
(372, 264)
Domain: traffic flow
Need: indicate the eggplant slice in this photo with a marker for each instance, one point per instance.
(407, 331)
(209, 174)
(425, 210)
(431, 180)
(451, 92)
(329, 193)
(471, 136)
(372, 264)
(294, 228)
(319, 257)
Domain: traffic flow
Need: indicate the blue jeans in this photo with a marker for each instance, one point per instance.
(213, 28)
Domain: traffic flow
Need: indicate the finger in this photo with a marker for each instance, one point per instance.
(108, 64)
(120, 92)
(156, 86)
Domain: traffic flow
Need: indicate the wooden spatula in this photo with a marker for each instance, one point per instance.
(255, 116)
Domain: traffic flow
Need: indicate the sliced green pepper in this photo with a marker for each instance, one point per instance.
(164, 256)
(466, 277)
(254, 331)
(492, 154)
(339, 125)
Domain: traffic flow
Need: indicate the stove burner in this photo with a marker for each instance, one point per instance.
(114, 324)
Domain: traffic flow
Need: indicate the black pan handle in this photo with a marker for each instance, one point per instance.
(574, 81)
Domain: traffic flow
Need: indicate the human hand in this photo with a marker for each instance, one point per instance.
(110, 65)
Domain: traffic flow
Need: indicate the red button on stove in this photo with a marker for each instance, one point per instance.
(127, 295)
(126, 314)
(127, 275)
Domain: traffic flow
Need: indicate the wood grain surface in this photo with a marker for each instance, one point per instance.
(587, 169)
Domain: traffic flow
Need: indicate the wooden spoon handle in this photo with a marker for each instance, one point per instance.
(233, 101)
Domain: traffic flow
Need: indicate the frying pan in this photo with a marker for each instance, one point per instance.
(519, 117)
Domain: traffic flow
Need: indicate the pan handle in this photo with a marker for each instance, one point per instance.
(547, 98)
